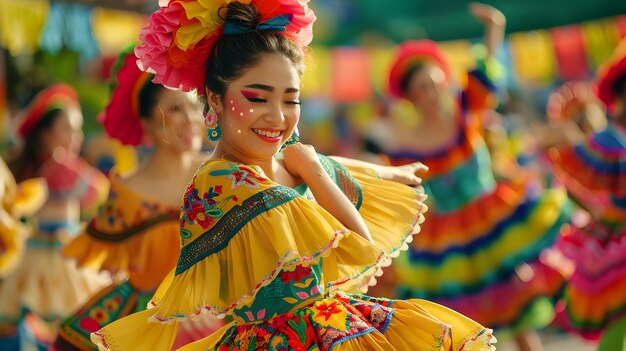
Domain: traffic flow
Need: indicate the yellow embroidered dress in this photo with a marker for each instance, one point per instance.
(281, 266)
(135, 235)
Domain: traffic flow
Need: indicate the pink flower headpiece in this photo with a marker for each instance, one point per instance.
(181, 34)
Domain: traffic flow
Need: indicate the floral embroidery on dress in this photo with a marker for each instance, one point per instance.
(319, 326)
(290, 288)
(202, 209)
(296, 275)
(240, 175)
(327, 310)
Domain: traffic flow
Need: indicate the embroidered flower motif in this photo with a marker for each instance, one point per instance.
(327, 310)
(240, 175)
(279, 320)
(202, 209)
(112, 304)
(99, 315)
(296, 275)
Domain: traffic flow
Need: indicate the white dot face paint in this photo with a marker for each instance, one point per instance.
(241, 114)
(251, 110)
(233, 109)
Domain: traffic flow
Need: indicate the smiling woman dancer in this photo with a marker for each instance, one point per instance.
(283, 265)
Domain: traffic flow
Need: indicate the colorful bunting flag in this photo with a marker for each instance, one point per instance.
(533, 57)
(569, 50)
(351, 80)
(601, 38)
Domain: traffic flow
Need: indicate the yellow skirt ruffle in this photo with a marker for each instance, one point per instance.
(340, 322)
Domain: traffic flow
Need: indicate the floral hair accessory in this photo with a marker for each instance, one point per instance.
(121, 118)
(408, 55)
(58, 96)
(181, 34)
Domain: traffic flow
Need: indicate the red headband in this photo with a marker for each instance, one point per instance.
(58, 96)
(408, 54)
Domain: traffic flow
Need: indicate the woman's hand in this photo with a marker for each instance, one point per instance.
(301, 160)
(406, 174)
(494, 22)
(486, 14)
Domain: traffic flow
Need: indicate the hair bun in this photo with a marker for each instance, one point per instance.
(245, 15)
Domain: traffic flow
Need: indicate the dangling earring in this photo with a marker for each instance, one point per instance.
(294, 138)
(447, 105)
(213, 131)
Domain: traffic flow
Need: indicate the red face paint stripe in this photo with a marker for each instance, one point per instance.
(249, 94)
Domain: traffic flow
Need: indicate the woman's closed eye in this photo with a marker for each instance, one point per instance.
(255, 99)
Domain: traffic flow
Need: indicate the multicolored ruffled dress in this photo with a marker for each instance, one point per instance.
(480, 247)
(133, 235)
(287, 271)
(594, 172)
(44, 283)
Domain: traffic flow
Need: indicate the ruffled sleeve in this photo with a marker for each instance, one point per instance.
(392, 211)
(132, 234)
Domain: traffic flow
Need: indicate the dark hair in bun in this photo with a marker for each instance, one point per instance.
(233, 54)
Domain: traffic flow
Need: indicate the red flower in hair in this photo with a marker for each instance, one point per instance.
(121, 118)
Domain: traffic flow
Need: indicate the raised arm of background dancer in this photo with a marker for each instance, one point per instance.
(302, 161)
(494, 22)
